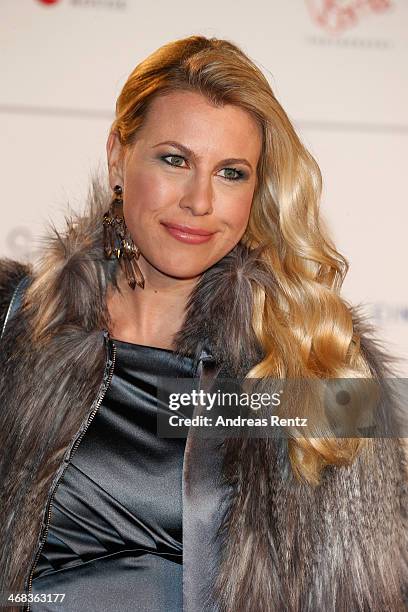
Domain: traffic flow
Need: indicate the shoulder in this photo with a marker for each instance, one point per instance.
(381, 361)
(11, 272)
(385, 367)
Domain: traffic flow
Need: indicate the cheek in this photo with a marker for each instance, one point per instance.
(145, 193)
(236, 210)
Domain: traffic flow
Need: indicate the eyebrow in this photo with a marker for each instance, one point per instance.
(187, 151)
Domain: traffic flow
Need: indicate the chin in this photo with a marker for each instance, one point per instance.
(182, 261)
(182, 266)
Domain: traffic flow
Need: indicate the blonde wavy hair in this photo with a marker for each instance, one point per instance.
(306, 329)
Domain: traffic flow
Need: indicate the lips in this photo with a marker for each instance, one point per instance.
(187, 234)
(186, 229)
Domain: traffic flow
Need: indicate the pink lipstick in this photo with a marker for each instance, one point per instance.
(190, 235)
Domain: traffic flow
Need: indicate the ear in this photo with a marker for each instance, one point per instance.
(115, 154)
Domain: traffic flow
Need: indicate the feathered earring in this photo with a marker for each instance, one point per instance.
(119, 243)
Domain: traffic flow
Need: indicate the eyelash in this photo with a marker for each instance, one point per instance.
(240, 173)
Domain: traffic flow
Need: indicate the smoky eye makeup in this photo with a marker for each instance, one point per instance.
(231, 173)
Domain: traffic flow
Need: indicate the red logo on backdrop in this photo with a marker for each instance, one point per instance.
(48, 1)
(338, 15)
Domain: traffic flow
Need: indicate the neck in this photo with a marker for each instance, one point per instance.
(150, 316)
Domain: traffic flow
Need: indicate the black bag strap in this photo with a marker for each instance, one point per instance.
(15, 301)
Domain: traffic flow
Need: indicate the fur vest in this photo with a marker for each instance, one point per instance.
(269, 541)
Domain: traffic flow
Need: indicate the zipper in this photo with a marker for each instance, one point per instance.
(73, 449)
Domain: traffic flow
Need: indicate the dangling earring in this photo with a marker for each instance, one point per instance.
(119, 243)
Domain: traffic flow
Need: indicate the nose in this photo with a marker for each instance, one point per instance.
(198, 196)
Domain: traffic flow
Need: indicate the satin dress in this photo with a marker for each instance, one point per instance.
(115, 534)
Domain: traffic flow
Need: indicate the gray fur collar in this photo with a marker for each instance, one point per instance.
(285, 545)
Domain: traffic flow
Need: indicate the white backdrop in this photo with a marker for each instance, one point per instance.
(339, 67)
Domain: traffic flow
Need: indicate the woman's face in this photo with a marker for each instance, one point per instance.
(193, 165)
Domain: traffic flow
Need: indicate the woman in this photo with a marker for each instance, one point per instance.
(205, 258)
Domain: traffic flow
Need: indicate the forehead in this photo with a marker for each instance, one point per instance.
(190, 118)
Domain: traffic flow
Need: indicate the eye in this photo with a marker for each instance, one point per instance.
(177, 160)
(233, 174)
